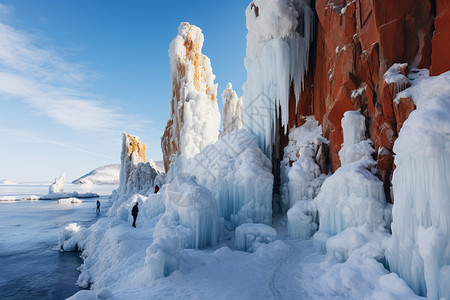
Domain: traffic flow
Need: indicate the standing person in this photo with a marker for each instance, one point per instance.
(98, 206)
(156, 189)
(134, 213)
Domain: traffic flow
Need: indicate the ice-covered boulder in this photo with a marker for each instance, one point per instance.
(195, 118)
(58, 185)
(278, 41)
(233, 114)
(419, 250)
(248, 235)
(239, 175)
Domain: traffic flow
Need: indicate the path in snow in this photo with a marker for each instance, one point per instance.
(284, 282)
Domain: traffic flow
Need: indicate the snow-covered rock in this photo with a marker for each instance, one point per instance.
(278, 42)
(233, 114)
(103, 175)
(248, 235)
(419, 248)
(136, 175)
(195, 118)
(58, 185)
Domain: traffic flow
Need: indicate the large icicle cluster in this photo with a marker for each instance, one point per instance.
(419, 250)
(191, 220)
(239, 175)
(278, 41)
(195, 118)
(353, 195)
(233, 114)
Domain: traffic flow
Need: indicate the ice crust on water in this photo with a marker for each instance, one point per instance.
(302, 179)
(249, 235)
(72, 200)
(278, 42)
(239, 175)
(58, 185)
(419, 248)
(233, 114)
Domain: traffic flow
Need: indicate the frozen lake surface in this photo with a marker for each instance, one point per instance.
(32, 265)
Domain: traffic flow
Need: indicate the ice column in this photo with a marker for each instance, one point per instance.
(278, 41)
(195, 118)
(419, 250)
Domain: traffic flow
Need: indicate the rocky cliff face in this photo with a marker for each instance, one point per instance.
(356, 42)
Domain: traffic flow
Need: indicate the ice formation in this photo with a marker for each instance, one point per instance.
(191, 220)
(58, 185)
(56, 196)
(355, 146)
(239, 175)
(249, 234)
(301, 175)
(136, 175)
(109, 174)
(353, 195)
(278, 42)
(301, 222)
(419, 248)
(70, 200)
(233, 114)
(195, 117)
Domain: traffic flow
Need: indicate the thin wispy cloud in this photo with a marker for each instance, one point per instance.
(34, 137)
(50, 84)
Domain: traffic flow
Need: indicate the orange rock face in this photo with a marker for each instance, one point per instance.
(134, 145)
(440, 57)
(356, 42)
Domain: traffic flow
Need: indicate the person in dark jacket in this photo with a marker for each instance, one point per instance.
(134, 213)
(156, 189)
(98, 206)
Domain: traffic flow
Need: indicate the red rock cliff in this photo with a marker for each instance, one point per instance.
(355, 43)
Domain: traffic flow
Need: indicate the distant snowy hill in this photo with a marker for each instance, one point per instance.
(159, 165)
(7, 182)
(103, 175)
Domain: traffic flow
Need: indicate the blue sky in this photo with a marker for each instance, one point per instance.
(75, 74)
